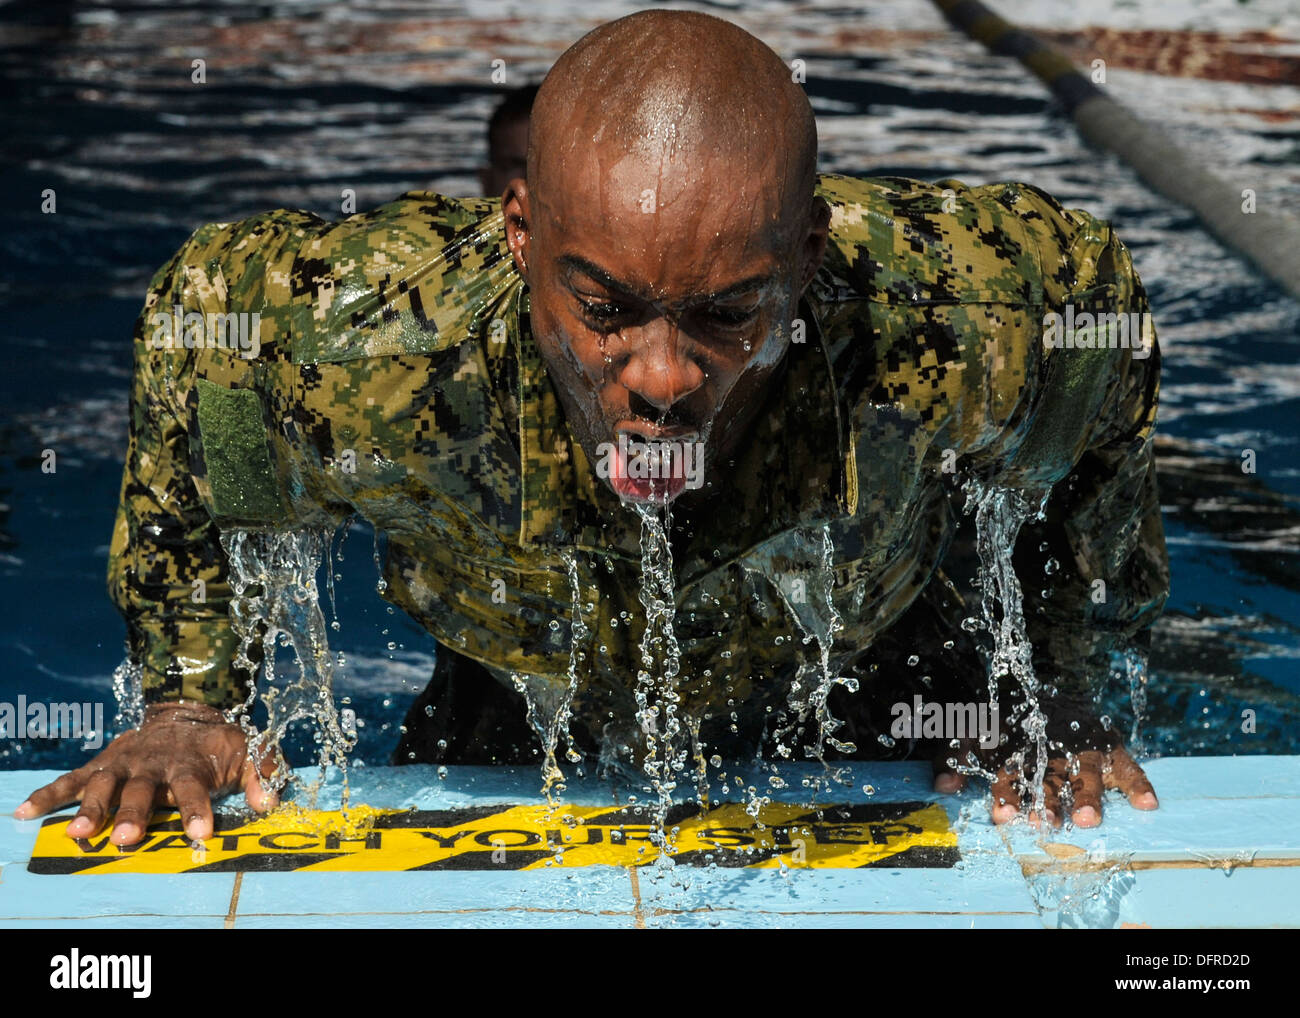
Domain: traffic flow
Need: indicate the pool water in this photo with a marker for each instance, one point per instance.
(305, 99)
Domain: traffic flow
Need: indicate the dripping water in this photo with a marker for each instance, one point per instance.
(276, 601)
(128, 688)
(999, 515)
(818, 621)
(548, 715)
(656, 693)
(1135, 671)
(828, 724)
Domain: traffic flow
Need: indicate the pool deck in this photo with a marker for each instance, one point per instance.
(1223, 850)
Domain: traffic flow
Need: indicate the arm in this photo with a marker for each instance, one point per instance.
(166, 572)
(1094, 572)
(1104, 570)
(168, 575)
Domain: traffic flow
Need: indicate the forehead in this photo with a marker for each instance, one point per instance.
(675, 224)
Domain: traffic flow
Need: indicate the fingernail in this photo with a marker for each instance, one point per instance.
(1146, 800)
(947, 783)
(23, 807)
(1086, 816)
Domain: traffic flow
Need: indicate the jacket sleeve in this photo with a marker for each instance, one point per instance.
(1094, 571)
(167, 572)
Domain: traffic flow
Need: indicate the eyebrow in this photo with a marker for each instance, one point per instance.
(571, 261)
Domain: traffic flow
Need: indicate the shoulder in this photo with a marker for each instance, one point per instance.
(410, 276)
(898, 240)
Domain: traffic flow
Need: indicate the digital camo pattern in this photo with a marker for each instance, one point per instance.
(397, 378)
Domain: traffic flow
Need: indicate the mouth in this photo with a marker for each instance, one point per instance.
(654, 465)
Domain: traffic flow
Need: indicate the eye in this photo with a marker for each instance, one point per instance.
(731, 318)
(603, 313)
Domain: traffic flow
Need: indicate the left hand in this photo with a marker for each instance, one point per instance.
(1096, 772)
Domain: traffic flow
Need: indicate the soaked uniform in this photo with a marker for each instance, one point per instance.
(397, 378)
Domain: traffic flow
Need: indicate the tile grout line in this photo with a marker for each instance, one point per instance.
(234, 900)
(638, 909)
(638, 912)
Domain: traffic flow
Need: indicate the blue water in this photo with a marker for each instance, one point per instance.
(305, 99)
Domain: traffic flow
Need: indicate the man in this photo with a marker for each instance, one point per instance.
(474, 377)
(507, 137)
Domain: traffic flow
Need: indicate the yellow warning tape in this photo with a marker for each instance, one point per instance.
(519, 838)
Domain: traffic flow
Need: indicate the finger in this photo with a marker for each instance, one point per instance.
(1125, 775)
(1006, 797)
(191, 796)
(50, 797)
(259, 798)
(1087, 787)
(134, 810)
(1054, 781)
(97, 798)
(947, 781)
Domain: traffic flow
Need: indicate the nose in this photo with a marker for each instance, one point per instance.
(659, 370)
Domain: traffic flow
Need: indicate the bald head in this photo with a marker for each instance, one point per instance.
(688, 93)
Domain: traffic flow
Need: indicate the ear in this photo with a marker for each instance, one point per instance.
(813, 249)
(514, 206)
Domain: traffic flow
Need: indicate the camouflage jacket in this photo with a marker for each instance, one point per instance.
(397, 378)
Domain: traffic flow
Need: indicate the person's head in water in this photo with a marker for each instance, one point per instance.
(507, 137)
(667, 228)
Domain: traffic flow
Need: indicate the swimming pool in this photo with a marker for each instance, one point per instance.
(303, 100)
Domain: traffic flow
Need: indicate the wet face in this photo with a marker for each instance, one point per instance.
(662, 296)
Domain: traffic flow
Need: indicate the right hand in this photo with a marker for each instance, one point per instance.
(181, 755)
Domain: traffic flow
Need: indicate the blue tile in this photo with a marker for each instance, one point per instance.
(1194, 898)
(15, 786)
(736, 919)
(1179, 829)
(118, 922)
(1224, 777)
(25, 895)
(16, 839)
(983, 884)
(1210, 807)
(586, 889)
(1245, 897)
(468, 920)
